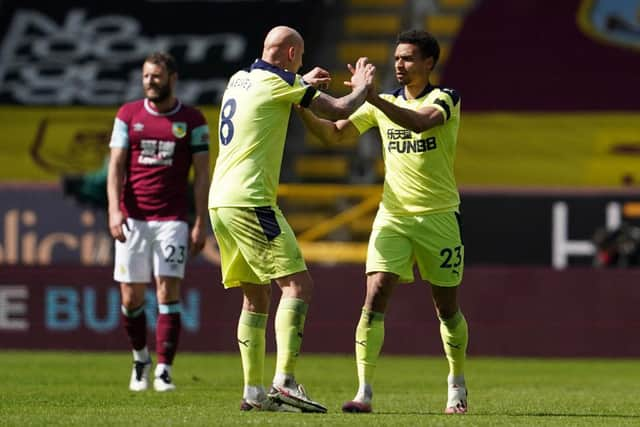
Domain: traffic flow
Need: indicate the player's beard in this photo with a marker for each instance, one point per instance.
(162, 93)
(403, 79)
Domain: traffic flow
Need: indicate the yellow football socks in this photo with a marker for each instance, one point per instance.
(455, 335)
(251, 340)
(369, 339)
(289, 325)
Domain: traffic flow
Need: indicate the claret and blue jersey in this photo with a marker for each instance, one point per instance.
(160, 149)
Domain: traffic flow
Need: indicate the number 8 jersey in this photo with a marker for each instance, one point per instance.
(252, 130)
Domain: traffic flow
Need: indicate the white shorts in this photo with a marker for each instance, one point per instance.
(160, 247)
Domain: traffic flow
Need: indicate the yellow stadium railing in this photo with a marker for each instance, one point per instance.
(314, 238)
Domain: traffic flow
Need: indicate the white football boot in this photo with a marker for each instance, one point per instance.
(140, 376)
(456, 399)
(294, 395)
(162, 381)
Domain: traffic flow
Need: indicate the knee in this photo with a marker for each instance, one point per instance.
(162, 295)
(298, 286)
(446, 310)
(265, 295)
(377, 288)
(379, 292)
(305, 290)
(167, 290)
(258, 300)
(130, 302)
(132, 297)
(445, 300)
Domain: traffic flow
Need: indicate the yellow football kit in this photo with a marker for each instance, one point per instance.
(418, 219)
(256, 243)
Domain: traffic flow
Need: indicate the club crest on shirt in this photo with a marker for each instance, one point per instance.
(614, 22)
(179, 129)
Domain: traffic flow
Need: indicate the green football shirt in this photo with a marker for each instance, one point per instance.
(419, 174)
(252, 130)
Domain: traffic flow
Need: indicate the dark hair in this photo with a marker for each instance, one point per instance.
(164, 59)
(427, 44)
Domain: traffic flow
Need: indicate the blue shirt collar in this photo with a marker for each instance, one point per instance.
(287, 76)
(428, 88)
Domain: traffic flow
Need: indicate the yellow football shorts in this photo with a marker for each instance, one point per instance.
(256, 245)
(433, 241)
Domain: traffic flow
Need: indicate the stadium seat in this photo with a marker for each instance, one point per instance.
(378, 24)
(443, 25)
(376, 52)
(322, 167)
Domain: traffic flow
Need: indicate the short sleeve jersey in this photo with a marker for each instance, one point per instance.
(419, 175)
(252, 130)
(160, 148)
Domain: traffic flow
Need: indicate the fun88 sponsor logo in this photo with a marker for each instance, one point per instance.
(412, 146)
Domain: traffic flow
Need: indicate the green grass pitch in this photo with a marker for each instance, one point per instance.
(90, 389)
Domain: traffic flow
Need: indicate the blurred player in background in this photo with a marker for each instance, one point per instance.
(256, 243)
(418, 220)
(154, 143)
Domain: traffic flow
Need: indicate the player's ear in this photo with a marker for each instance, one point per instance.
(291, 53)
(429, 63)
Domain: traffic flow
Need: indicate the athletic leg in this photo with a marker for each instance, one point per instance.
(168, 326)
(370, 337)
(251, 339)
(134, 320)
(455, 336)
(290, 318)
(132, 269)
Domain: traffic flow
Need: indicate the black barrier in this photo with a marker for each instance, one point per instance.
(553, 228)
(90, 53)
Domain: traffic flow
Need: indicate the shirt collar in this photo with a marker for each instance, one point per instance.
(428, 88)
(285, 75)
(151, 110)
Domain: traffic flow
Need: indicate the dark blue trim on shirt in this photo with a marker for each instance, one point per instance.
(287, 76)
(308, 97)
(396, 92)
(452, 93)
(428, 88)
(445, 106)
(400, 91)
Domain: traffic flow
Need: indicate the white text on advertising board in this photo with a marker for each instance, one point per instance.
(97, 60)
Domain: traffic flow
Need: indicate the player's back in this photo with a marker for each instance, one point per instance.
(253, 124)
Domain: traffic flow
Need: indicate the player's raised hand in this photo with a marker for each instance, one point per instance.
(318, 78)
(117, 222)
(362, 74)
(196, 240)
(371, 83)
